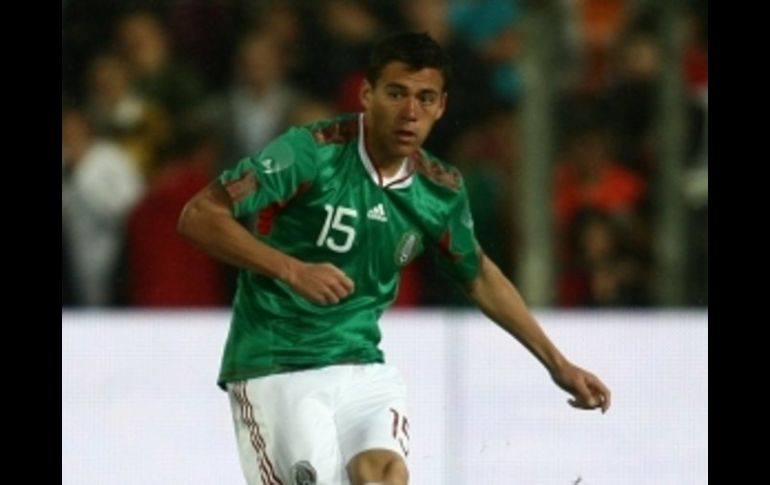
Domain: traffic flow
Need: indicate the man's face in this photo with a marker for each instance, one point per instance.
(401, 109)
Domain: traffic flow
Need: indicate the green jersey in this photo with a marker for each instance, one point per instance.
(315, 194)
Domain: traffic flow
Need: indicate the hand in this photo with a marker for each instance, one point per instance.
(321, 283)
(587, 390)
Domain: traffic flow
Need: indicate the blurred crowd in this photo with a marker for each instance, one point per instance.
(159, 96)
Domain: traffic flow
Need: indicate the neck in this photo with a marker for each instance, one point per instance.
(389, 169)
(388, 165)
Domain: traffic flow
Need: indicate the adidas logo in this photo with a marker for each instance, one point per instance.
(377, 213)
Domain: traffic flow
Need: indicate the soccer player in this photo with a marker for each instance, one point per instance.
(321, 222)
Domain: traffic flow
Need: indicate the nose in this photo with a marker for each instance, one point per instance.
(409, 109)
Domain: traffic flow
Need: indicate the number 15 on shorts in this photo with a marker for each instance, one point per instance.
(400, 430)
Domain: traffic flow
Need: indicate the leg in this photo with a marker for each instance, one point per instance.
(285, 429)
(378, 467)
(257, 459)
(373, 427)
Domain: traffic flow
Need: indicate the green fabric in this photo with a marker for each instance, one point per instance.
(325, 205)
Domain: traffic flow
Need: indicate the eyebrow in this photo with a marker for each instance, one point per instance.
(392, 85)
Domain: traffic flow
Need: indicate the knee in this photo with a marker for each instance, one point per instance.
(378, 467)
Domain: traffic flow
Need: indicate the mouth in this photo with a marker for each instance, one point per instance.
(405, 136)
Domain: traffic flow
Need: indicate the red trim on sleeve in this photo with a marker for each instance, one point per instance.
(267, 216)
(242, 187)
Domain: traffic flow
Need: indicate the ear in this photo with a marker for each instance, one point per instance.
(365, 95)
(441, 106)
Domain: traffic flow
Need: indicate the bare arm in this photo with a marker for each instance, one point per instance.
(208, 222)
(496, 296)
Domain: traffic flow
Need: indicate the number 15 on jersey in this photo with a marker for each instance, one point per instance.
(335, 220)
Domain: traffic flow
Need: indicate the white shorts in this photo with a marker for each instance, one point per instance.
(313, 422)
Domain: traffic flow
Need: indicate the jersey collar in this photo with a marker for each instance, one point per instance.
(401, 180)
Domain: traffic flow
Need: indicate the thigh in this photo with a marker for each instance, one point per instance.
(372, 413)
(285, 429)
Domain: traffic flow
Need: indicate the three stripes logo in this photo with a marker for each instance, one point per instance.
(377, 213)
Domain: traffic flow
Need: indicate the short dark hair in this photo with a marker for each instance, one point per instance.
(416, 50)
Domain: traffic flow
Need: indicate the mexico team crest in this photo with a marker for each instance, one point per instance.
(407, 248)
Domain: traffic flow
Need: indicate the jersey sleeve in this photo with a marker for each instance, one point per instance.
(273, 175)
(458, 252)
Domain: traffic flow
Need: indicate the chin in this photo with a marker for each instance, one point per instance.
(404, 149)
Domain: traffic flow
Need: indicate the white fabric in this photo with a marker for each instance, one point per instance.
(324, 417)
